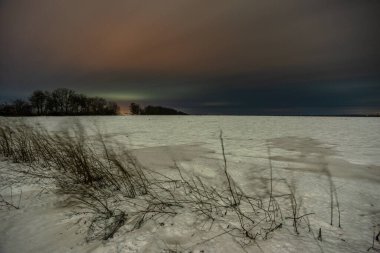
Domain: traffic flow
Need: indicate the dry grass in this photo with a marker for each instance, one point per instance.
(118, 191)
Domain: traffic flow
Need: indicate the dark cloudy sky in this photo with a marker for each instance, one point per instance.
(201, 56)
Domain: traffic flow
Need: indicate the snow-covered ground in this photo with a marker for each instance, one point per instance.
(302, 150)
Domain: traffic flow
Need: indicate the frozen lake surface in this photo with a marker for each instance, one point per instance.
(354, 139)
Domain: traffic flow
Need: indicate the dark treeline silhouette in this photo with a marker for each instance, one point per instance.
(136, 109)
(59, 102)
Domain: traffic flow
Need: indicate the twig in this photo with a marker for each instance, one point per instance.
(225, 169)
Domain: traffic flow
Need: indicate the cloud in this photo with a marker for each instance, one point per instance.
(184, 37)
(178, 49)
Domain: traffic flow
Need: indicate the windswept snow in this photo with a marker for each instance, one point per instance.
(310, 152)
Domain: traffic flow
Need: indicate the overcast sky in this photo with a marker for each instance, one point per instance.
(204, 57)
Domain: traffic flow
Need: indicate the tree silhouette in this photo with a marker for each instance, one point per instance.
(61, 101)
(38, 101)
(135, 109)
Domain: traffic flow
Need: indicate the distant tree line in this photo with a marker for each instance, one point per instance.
(59, 102)
(136, 109)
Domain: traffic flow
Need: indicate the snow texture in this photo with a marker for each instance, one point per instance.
(302, 149)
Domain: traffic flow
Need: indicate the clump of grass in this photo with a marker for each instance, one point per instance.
(15, 143)
(6, 141)
(89, 173)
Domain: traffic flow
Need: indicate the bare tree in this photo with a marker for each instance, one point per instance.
(38, 101)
